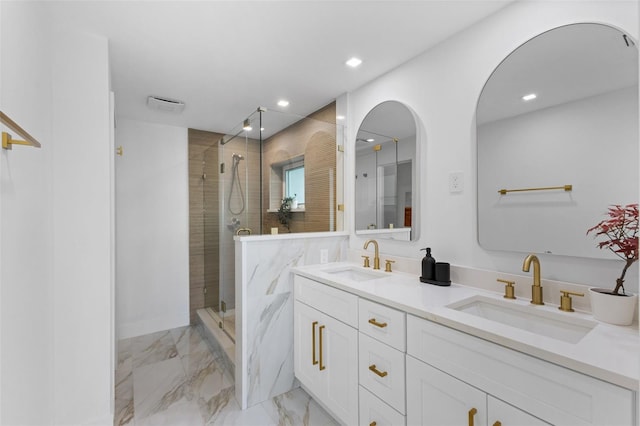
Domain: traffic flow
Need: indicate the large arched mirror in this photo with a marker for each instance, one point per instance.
(385, 169)
(557, 140)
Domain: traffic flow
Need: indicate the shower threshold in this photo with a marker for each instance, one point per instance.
(218, 339)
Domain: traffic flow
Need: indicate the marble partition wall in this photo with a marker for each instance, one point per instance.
(264, 304)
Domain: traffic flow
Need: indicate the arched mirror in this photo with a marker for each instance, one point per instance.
(557, 140)
(385, 169)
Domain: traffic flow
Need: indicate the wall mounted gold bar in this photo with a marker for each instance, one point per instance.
(565, 187)
(7, 141)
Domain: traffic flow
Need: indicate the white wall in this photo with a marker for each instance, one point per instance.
(26, 232)
(82, 215)
(55, 225)
(152, 228)
(442, 87)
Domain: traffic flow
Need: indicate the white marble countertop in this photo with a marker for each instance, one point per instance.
(610, 353)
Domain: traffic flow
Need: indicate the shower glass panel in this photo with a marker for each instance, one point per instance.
(211, 228)
(239, 205)
(250, 164)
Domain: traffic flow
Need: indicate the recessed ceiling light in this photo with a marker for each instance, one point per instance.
(339, 117)
(354, 62)
(371, 140)
(283, 103)
(529, 97)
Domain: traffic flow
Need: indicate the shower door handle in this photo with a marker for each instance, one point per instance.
(247, 231)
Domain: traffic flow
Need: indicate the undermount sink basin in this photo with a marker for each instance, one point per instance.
(355, 273)
(528, 318)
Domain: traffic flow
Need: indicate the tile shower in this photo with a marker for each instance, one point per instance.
(228, 198)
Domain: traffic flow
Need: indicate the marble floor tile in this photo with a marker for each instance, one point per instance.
(153, 347)
(158, 386)
(225, 411)
(188, 341)
(173, 378)
(296, 407)
(123, 405)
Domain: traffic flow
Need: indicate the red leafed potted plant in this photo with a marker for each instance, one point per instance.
(620, 232)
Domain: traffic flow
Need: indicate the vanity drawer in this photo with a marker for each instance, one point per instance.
(382, 371)
(382, 323)
(339, 304)
(375, 411)
(550, 392)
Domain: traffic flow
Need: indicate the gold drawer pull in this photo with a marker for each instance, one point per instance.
(497, 423)
(377, 324)
(378, 372)
(472, 413)
(322, 367)
(313, 342)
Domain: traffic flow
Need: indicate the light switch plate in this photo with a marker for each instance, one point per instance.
(324, 255)
(456, 183)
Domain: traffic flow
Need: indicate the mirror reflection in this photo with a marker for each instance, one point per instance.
(557, 140)
(385, 173)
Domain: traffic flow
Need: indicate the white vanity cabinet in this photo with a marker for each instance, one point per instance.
(450, 373)
(326, 346)
(438, 399)
(381, 354)
(371, 364)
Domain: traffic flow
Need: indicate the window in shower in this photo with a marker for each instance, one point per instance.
(294, 181)
(286, 180)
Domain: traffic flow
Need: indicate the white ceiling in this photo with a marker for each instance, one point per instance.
(226, 58)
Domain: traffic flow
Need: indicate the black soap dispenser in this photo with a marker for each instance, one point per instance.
(428, 266)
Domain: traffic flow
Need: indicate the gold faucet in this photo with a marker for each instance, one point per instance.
(536, 288)
(376, 256)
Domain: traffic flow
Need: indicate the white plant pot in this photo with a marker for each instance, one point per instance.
(294, 204)
(613, 309)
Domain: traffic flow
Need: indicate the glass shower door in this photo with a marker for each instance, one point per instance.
(239, 204)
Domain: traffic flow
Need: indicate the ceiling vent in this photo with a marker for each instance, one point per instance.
(165, 104)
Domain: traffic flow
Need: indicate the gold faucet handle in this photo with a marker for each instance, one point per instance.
(387, 267)
(366, 262)
(509, 290)
(565, 300)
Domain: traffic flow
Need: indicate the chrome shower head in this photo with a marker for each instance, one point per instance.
(237, 157)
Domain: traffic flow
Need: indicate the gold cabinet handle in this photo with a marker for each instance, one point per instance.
(322, 367)
(313, 342)
(472, 414)
(377, 324)
(497, 423)
(376, 371)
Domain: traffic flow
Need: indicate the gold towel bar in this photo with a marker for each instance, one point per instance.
(7, 141)
(565, 187)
